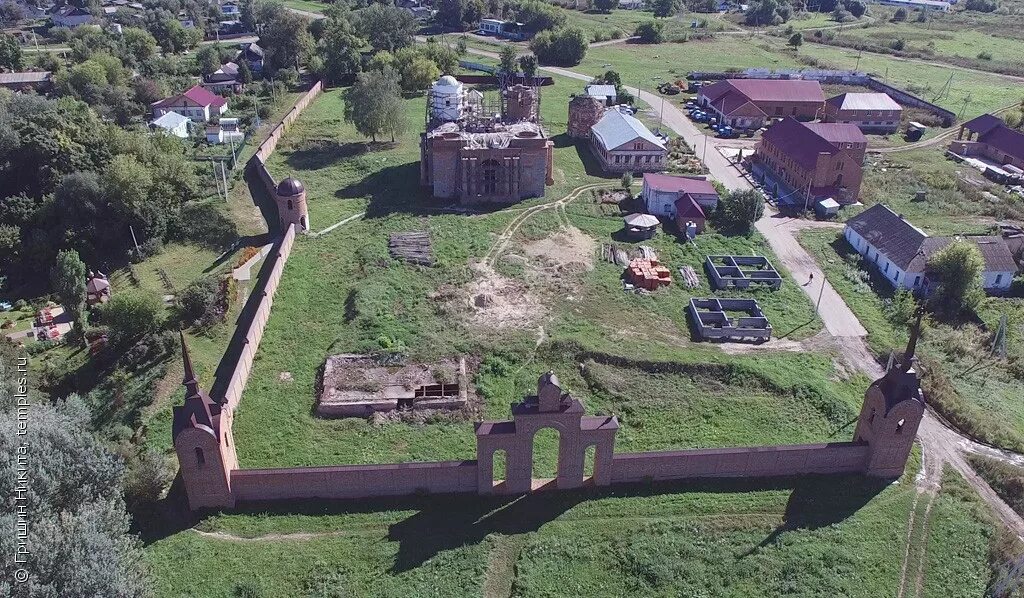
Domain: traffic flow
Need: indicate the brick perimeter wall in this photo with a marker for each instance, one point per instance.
(840, 457)
(266, 149)
(354, 481)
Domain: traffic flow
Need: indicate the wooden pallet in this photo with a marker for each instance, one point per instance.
(411, 247)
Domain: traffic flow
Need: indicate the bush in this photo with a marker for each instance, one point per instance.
(897, 44)
(984, 55)
(981, 5)
(199, 303)
(739, 210)
(132, 314)
(900, 15)
(650, 32)
(566, 47)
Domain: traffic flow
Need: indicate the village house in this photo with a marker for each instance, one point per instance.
(70, 16)
(197, 103)
(253, 54)
(872, 112)
(688, 212)
(26, 81)
(605, 93)
(661, 193)
(900, 251)
(227, 130)
(623, 144)
(224, 78)
(750, 103)
(803, 163)
(172, 123)
(988, 137)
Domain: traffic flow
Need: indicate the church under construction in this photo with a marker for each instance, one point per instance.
(478, 151)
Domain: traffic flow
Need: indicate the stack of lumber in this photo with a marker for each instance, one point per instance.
(689, 277)
(412, 247)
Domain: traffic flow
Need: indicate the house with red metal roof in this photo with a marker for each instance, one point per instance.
(197, 103)
(872, 112)
(803, 163)
(750, 103)
(688, 210)
(661, 192)
(988, 136)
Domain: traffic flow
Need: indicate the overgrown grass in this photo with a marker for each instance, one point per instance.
(974, 391)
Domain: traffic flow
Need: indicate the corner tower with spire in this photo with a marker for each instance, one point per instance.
(892, 411)
(202, 440)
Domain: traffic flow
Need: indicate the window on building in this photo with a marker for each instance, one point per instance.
(200, 457)
(290, 205)
(490, 176)
(778, 110)
(638, 146)
(871, 417)
(886, 269)
(618, 159)
(917, 280)
(899, 426)
(999, 278)
(794, 111)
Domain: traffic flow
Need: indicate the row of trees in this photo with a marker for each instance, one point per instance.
(763, 13)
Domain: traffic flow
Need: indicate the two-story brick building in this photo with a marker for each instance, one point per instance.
(750, 103)
(622, 143)
(802, 163)
(872, 112)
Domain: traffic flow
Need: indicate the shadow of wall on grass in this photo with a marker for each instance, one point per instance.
(446, 522)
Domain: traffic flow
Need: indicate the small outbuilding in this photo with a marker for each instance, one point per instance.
(827, 208)
(689, 213)
(641, 226)
(97, 289)
(173, 124)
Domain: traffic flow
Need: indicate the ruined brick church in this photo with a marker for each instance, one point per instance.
(476, 151)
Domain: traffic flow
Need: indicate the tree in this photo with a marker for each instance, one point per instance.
(417, 71)
(538, 16)
(386, 27)
(982, 5)
(67, 277)
(796, 40)
(900, 15)
(651, 32)
(665, 8)
(132, 314)
(857, 8)
(528, 64)
(244, 72)
(208, 59)
(339, 47)
(955, 276)
(286, 40)
(10, 13)
(763, 13)
(565, 47)
(10, 53)
(741, 209)
(507, 59)
(605, 5)
(374, 104)
(450, 14)
(443, 55)
(78, 528)
(139, 44)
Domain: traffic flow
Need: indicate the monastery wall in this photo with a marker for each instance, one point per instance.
(354, 481)
(266, 149)
(756, 461)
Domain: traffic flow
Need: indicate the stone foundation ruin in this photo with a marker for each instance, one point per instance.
(741, 271)
(360, 385)
(714, 319)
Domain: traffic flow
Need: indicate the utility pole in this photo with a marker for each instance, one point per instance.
(216, 180)
(234, 158)
(224, 177)
(138, 252)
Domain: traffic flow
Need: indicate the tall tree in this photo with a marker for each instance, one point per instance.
(665, 8)
(10, 52)
(955, 276)
(286, 40)
(507, 59)
(605, 5)
(67, 277)
(741, 209)
(386, 27)
(339, 47)
(374, 104)
(528, 64)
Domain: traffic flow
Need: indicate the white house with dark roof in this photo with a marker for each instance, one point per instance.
(661, 193)
(623, 144)
(900, 250)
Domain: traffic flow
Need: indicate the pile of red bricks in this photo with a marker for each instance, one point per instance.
(648, 274)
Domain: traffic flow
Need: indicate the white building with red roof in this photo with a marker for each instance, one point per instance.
(197, 103)
(662, 192)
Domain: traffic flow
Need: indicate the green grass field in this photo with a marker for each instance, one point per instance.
(810, 537)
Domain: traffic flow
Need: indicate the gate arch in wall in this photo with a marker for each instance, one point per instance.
(549, 408)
